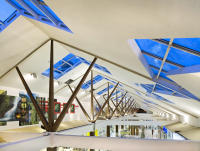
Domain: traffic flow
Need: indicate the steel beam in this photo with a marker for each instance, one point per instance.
(185, 49)
(32, 52)
(81, 106)
(106, 60)
(164, 71)
(71, 99)
(37, 108)
(51, 88)
(98, 114)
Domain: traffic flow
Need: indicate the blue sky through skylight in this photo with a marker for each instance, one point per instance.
(68, 63)
(5, 10)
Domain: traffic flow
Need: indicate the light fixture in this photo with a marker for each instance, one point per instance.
(30, 76)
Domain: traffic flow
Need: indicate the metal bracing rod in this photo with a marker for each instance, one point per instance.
(81, 106)
(185, 49)
(106, 101)
(71, 99)
(164, 71)
(37, 108)
(159, 58)
(51, 89)
(92, 94)
(118, 105)
(164, 59)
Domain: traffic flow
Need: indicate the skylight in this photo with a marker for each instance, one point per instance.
(34, 9)
(184, 53)
(68, 63)
(95, 80)
(105, 90)
(7, 14)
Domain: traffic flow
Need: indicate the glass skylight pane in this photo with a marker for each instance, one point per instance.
(74, 61)
(192, 43)
(70, 62)
(33, 7)
(105, 90)
(163, 75)
(152, 47)
(54, 15)
(117, 98)
(115, 93)
(183, 58)
(95, 80)
(63, 68)
(158, 97)
(69, 56)
(161, 88)
(58, 64)
(157, 63)
(6, 10)
(57, 74)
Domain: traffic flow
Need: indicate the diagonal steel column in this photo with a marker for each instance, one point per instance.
(81, 106)
(126, 110)
(115, 105)
(126, 104)
(37, 108)
(98, 104)
(132, 103)
(71, 99)
(108, 104)
(118, 105)
(106, 101)
(92, 94)
(51, 89)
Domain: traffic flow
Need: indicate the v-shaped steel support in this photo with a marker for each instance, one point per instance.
(37, 108)
(118, 104)
(73, 96)
(98, 114)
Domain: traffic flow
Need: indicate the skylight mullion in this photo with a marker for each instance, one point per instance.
(163, 61)
(58, 70)
(66, 63)
(28, 8)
